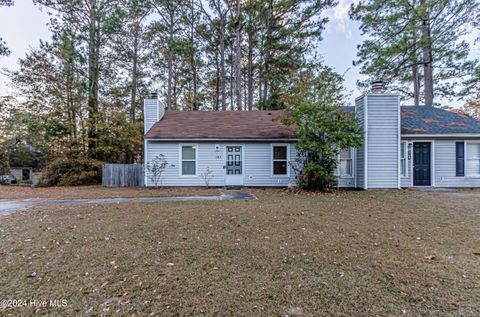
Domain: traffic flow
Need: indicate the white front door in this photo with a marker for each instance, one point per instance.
(233, 165)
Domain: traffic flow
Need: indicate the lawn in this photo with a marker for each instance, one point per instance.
(354, 253)
(98, 192)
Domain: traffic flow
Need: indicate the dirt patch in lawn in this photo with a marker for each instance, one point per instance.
(98, 192)
(385, 253)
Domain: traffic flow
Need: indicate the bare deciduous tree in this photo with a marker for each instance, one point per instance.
(155, 169)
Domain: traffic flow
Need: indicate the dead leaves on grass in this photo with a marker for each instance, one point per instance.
(429, 257)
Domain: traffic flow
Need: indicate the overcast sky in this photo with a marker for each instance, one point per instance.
(23, 25)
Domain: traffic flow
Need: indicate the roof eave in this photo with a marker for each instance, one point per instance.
(223, 139)
(442, 135)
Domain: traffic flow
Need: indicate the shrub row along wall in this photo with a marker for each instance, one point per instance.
(123, 175)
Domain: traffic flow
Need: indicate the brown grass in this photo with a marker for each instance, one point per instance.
(93, 192)
(385, 253)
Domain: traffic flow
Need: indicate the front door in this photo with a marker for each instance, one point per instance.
(233, 165)
(421, 164)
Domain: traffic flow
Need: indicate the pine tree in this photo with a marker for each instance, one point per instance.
(409, 38)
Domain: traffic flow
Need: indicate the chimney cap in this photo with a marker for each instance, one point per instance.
(377, 86)
(153, 95)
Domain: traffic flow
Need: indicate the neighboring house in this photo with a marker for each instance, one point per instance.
(26, 175)
(403, 147)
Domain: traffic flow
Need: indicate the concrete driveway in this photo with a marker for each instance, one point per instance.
(10, 206)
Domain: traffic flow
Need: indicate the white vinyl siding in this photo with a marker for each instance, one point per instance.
(208, 157)
(444, 167)
(380, 155)
(383, 141)
(151, 113)
(360, 152)
(257, 164)
(259, 169)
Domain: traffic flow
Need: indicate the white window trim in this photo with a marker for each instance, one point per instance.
(272, 145)
(465, 158)
(346, 176)
(180, 159)
(405, 151)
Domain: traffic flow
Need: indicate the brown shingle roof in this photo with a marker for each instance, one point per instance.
(233, 125)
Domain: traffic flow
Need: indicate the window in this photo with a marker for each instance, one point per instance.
(346, 163)
(403, 159)
(25, 174)
(280, 159)
(460, 159)
(189, 154)
(473, 159)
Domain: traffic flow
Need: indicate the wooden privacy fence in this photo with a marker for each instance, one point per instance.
(123, 175)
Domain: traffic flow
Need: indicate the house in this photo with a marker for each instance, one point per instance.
(404, 146)
(25, 175)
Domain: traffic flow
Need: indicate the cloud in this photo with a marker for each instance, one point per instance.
(339, 20)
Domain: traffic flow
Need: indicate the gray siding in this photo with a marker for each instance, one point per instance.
(257, 164)
(360, 156)
(383, 137)
(171, 175)
(445, 167)
(150, 109)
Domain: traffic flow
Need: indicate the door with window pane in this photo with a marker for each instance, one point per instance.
(234, 165)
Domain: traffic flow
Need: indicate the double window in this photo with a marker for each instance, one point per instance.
(280, 160)
(189, 160)
(403, 159)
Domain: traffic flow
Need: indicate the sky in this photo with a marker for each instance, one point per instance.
(23, 25)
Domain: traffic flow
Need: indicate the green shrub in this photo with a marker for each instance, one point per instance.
(69, 172)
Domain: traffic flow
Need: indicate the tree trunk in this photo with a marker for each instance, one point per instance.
(133, 94)
(416, 88)
(170, 64)
(174, 88)
(222, 61)
(267, 55)
(427, 58)
(260, 76)
(93, 65)
(230, 79)
(217, 82)
(69, 69)
(238, 58)
(192, 56)
(250, 70)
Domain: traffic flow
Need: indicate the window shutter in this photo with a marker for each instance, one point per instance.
(460, 158)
